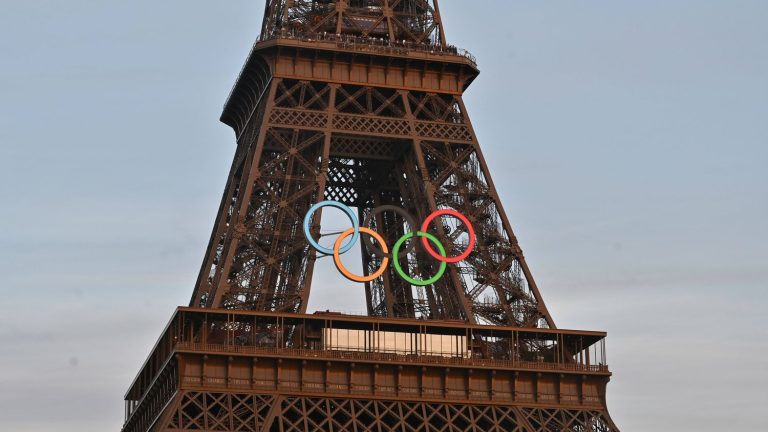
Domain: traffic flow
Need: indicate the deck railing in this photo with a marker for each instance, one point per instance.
(391, 357)
(378, 45)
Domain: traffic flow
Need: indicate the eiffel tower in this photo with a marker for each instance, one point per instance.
(358, 104)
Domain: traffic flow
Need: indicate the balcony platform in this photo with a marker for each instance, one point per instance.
(334, 355)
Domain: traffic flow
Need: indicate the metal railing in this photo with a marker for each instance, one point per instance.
(380, 356)
(378, 45)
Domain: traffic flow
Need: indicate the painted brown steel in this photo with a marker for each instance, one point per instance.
(360, 101)
(427, 132)
(208, 363)
(415, 21)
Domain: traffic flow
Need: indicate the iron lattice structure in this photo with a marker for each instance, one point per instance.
(369, 127)
(411, 21)
(360, 101)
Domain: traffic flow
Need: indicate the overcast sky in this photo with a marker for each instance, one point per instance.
(628, 139)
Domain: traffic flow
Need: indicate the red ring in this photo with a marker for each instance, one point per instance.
(461, 217)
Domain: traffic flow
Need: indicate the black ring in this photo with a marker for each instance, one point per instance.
(408, 219)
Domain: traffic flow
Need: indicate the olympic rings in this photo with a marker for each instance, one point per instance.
(462, 218)
(337, 255)
(352, 217)
(382, 251)
(399, 270)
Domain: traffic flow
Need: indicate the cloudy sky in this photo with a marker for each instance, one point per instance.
(629, 141)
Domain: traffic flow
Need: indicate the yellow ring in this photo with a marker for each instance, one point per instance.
(344, 271)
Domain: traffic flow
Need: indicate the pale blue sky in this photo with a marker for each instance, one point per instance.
(629, 141)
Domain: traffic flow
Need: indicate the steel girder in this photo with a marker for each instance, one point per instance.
(249, 412)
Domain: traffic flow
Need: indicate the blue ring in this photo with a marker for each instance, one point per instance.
(352, 217)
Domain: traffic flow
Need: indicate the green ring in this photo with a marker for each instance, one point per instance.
(399, 270)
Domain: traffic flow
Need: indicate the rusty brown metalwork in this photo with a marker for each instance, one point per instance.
(360, 101)
(220, 370)
(406, 21)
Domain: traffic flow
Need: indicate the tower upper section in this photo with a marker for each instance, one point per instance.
(402, 21)
(384, 43)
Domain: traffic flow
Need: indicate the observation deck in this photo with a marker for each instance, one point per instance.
(368, 357)
(370, 45)
(347, 60)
